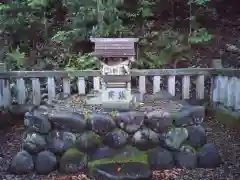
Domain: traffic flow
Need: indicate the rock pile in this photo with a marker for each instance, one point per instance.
(118, 144)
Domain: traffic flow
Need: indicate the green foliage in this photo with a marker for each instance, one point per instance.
(54, 28)
(199, 36)
(17, 58)
(81, 62)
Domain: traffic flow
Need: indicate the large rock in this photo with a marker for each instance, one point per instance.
(145, 138)
(160, 158)
(72, 120)
(101, 124)
(73, 161)
(44, 109)
(159, 121)
(21, 109)
(196, 136)
(122, 171)
(130, 121)
(182, 118)
(36, 121)
(187, 160)
(126, 163)
(175, 137)
(45, 162)
(209, 157)
(106, 152)
(103, 152)
(197, 113)
(88, 142)
(34, 142)
(60, 141)
(116, 139)
(22, 163)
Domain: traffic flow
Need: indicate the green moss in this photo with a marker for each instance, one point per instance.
(72, 151)
(87, 115)
(96, 138)
(140, 158)
(172, 127)
(113, 114)
(227, 117)
(187, 148)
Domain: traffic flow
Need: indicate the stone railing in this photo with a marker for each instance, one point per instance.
(226, 91)
(24, 80)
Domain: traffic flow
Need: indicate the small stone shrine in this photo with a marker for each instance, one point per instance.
(116, 56)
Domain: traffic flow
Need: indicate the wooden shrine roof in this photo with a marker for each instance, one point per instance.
(114, 47)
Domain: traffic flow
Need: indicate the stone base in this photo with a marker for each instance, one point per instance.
(112, 146)
(96, 98)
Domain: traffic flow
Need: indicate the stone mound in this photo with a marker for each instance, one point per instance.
(115, 145)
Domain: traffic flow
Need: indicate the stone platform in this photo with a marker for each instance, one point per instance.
(160, 133)
(101, 98)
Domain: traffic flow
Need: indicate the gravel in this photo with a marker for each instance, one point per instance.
(226, 140)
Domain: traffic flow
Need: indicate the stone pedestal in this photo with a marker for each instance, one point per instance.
(113, 99)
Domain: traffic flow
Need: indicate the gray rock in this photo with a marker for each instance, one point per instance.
(101, 124)
(130, 121)
(103, 152)
(175, 137)
(22, 163)
(160, 158)
(183, 118)
(44, 109)
(145, 138)
(209, 157)
(36, 121)
(20, 110)
(129, 151)
(45, 162)
(60, 141)
(187, 160)
(196, 136)
(71, 120)
(34, 142)
(88, 142)
(116, 139)
(158, 121)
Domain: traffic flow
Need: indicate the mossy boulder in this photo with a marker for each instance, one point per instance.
(88, 142)
(125, 155)
(125, 163)
(73, 161)
(120, 171)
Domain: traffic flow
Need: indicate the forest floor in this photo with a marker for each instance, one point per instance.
(226, 140)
